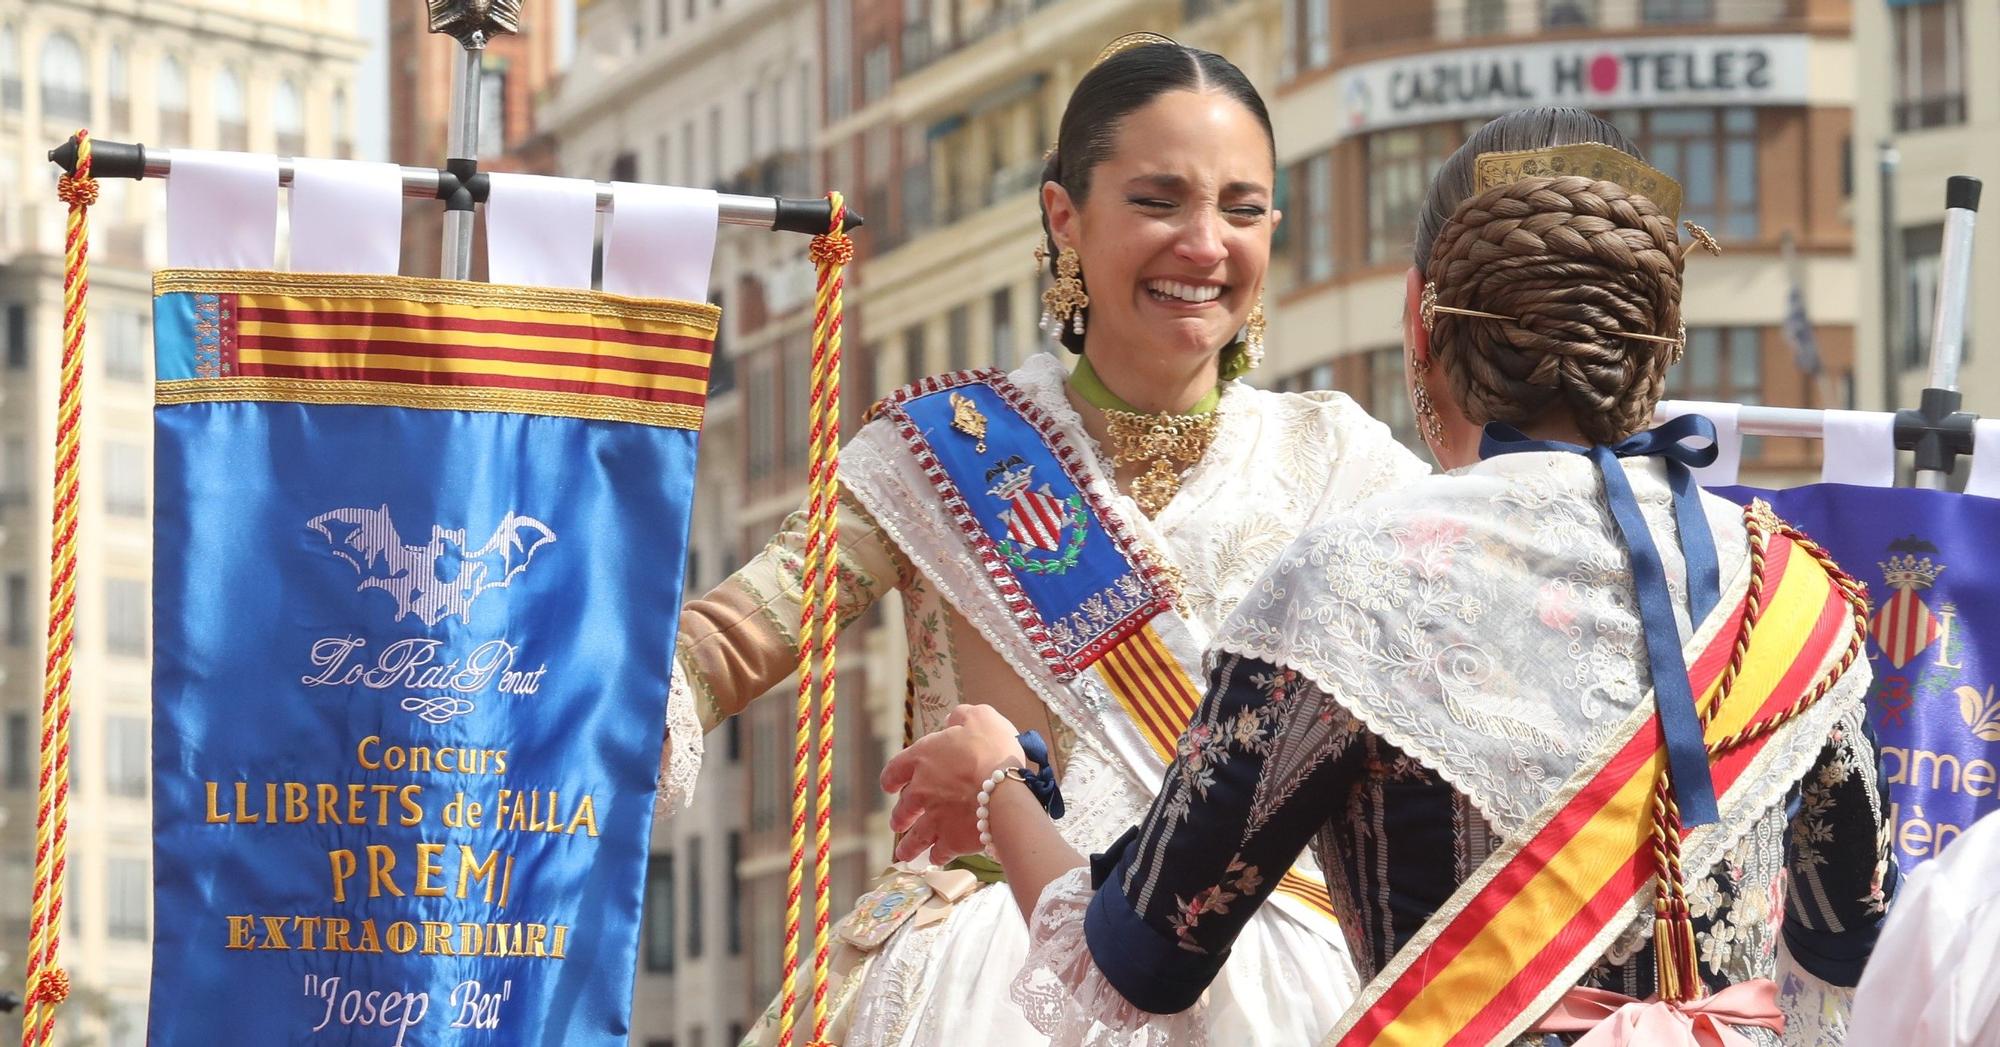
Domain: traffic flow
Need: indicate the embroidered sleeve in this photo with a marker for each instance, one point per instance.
(1837, 855)
(741, 639)
(1174, 894)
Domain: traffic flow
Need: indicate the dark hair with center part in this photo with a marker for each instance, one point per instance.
(1114, 89)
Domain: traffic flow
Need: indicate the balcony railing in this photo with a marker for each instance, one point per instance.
(780, 174)
(1003, 14)
(918, 48)
(67, 104)
(1009, 181)
(1478, 19)
(1568, 14)
(1940, 111)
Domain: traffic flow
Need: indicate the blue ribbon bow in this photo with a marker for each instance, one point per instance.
(1687, 753)
(1043, 782)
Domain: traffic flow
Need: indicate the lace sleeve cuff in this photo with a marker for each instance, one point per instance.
(1064, 995)
(680, 754)
(1815, 1011)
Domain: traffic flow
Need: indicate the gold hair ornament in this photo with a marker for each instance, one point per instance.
(1128, 42)
(1593, 160)
(1428, 308)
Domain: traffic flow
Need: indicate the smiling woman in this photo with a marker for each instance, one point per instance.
(1073, 589)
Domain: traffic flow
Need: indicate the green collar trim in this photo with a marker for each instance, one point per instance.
(1088, 385)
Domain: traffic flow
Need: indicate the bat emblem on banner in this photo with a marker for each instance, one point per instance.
(440, 578)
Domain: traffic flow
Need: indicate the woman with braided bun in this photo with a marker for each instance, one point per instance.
(1581, 748)
(1065, 544)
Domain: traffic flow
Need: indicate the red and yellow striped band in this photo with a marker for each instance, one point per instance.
(407, 342)
(1519, 926)
(1153, 686)
(1161, 698)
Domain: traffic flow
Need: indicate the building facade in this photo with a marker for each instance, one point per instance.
(1936, 114)
(1750, 105)
(213, 74)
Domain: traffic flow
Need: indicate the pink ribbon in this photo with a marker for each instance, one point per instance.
(1610, 1019)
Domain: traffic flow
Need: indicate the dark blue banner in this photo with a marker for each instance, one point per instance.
(410, 668)
(1932, 566)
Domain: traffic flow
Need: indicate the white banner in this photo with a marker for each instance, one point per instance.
(1592, 74)
(222, 211)
(540, 232)
(347, 216)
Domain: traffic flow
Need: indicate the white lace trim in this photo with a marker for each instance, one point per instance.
(1815, 1011)
(680, 755)
(1065, 997)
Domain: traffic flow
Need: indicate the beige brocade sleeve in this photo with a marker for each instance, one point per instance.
(742, 638)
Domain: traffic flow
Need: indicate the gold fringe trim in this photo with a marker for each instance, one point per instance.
(447, 292)
(428, 398)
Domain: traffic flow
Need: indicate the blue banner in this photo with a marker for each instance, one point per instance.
(410, 667)
(1929, 560)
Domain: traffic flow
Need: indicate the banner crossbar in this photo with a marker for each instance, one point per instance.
(777, 213)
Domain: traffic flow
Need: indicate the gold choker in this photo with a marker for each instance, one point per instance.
(1168, 444)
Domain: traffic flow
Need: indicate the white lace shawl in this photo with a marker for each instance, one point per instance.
(1485, 624)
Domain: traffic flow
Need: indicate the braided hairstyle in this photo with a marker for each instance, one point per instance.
(1577, 262)
(1118, 87)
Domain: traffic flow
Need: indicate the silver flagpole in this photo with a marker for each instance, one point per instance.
(1937, 452)
(462, 147)
(471, 23)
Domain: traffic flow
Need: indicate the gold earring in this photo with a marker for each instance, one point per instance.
(1041, 251)
(1427, 305)
(1427, 418)
(1064, 301)
(1253, 335)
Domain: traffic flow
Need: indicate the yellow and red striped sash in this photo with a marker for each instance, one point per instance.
(442, 344)
(1160, 696)
(1482, 969)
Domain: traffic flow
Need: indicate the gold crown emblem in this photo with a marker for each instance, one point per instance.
(1910, 571)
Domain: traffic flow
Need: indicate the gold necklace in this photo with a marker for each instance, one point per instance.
(1167, 444)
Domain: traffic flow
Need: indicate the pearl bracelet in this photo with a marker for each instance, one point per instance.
(986, 800)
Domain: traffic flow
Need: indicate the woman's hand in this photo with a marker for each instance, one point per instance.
(939, 777)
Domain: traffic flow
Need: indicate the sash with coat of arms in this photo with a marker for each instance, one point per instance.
(1087, 595)
(1928, 559)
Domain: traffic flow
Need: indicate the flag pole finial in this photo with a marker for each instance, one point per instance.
(473, 22)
